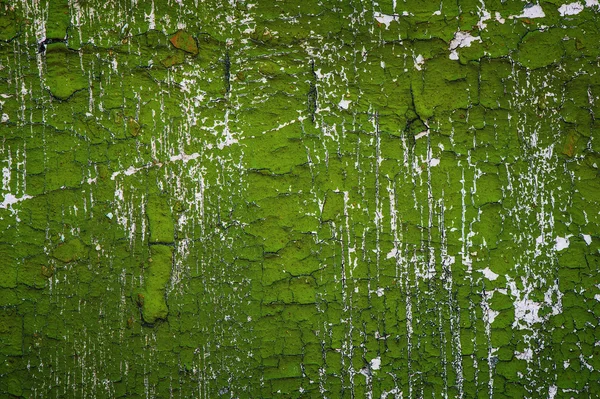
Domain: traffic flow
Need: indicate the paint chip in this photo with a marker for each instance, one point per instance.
(376, 363)
(385, 19)
(489, 274)
(344, 104)
(562, 243)
(534, 11)
(570, 9)
(587, 238)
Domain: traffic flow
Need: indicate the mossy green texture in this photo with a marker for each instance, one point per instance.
(11, 333)
(62, 78)
(152, 300)
(160, 219)
(69, 251)
(299, 199)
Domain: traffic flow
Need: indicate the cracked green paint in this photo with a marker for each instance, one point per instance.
(299, 199)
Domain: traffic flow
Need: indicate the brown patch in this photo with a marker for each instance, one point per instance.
(570, 144)
(184, 41)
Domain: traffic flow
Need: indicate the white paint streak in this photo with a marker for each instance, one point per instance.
(184, 157)
(151, 18)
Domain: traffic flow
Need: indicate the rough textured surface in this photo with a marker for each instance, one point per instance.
(339, 199)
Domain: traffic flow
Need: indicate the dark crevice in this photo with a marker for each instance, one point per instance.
(227, 63)
(42, 44)
(312, 93)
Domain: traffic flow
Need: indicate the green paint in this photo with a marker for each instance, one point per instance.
(298, 199)
(158, 270)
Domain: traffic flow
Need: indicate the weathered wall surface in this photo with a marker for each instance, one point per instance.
(339, 199)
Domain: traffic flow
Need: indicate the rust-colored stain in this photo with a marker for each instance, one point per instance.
(184, 41)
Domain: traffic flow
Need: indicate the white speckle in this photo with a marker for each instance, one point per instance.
(344, 104)
(597, 297)
(380, 292)
(109, 215)
(490, 275)
(434, 162)
(385, 19)
(4, 118)
(587, 238)
(535, 11)
(98, 247)
(589, 3)
(562, 243)
(438, 12)
(570, 9)
(376, 363)
(382, 64)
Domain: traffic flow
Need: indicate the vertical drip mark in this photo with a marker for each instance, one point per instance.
(431, 262)
(378, 210)
(347, 345)
(487, 320)
(447, 262)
